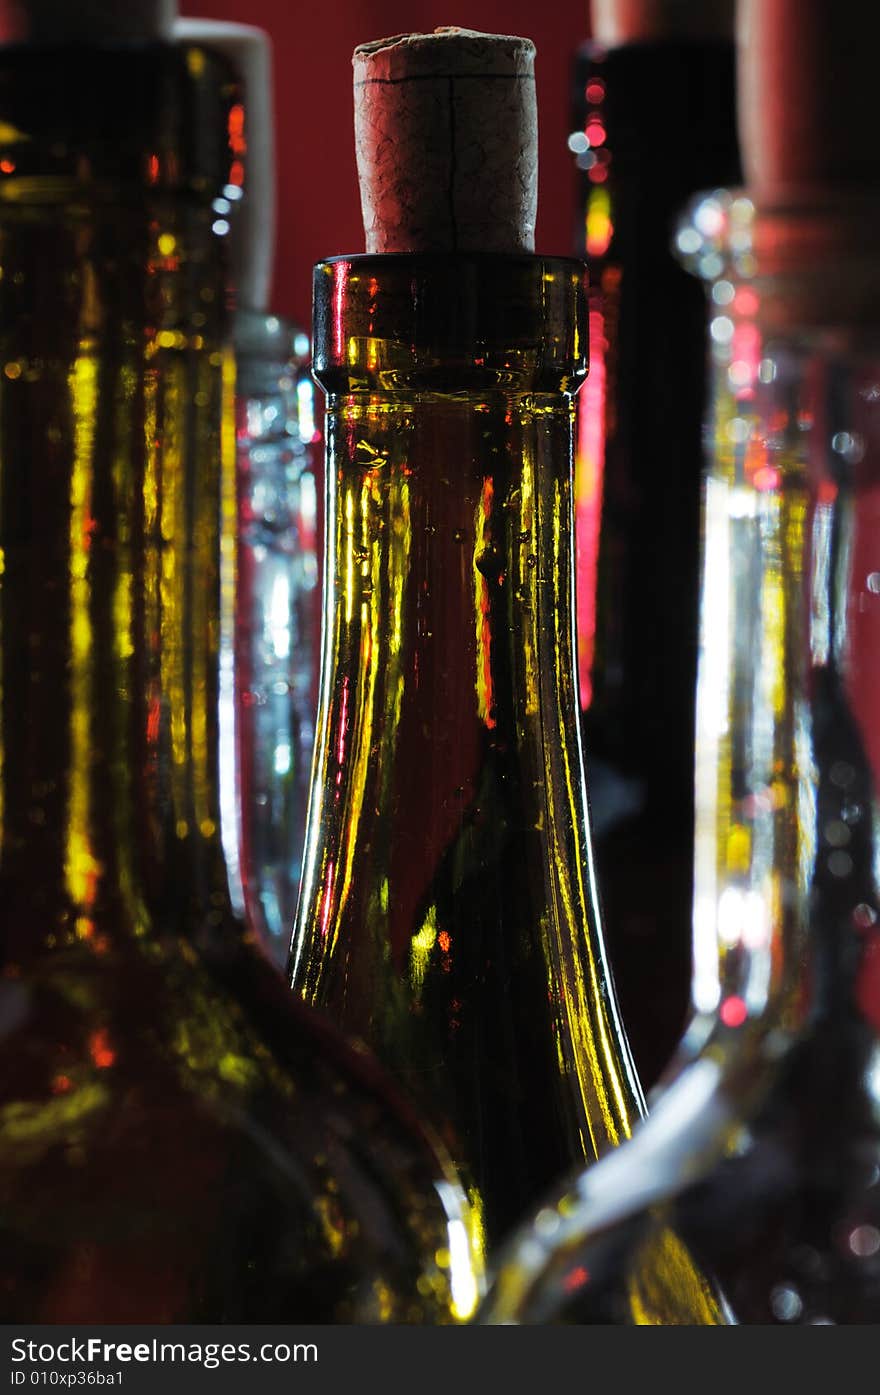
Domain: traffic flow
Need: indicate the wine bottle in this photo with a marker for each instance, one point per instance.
(764, 1152)
(269, 660)
(654, 122)
(446, 901)
(448, 913)
(179, 1141)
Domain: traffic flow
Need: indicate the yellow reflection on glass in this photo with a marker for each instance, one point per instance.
(80, 868)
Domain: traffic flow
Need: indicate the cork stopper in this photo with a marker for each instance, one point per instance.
(617, 22)
(446, 137)
(87, 21)
(808, 98)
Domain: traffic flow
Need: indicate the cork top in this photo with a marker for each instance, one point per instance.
(446, 137)
(617, 22)
(808, 95)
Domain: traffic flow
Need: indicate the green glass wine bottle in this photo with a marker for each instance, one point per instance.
(448, 912)
(179, 1141)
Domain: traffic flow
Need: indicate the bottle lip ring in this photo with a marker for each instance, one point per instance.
(789, 230)
(574, 265)
(478, 319)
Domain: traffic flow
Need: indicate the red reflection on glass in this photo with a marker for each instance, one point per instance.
(100, 1049)
(340, 295)
(237, 142)
(589, 471)
(576, 1279)
(329, 883)
(485, 681)
(765, 479)
(745, 302)
(733, 1012)
(154, 715)
(868, 983)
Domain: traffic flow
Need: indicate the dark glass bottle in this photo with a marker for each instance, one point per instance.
(448, 914)
(764, 1153)
(654, 123)
(178, 1140)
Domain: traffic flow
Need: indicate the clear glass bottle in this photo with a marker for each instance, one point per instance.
(270, 671)
(654, 123)
(179, 1141)
(764, 1154)
(448, 912)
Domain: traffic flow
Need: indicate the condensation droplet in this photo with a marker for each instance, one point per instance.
(739, 429)
(547, 1222)
(849, 444)
(840, 864)
(873, 582)
(721, 329)
(837, 833)
(723, 292)
(785, 1303)
(864, 1241)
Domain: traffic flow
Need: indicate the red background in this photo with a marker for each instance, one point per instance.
(318, 203)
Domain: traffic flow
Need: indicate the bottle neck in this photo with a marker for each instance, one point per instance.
(448, 838)
(110, 413)
(786, 902)
(269, 693)
(659, 121)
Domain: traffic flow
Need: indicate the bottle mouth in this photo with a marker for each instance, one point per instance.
(809, 253)
(450, 322)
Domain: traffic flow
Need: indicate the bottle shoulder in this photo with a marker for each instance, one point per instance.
(202, 1153)
(769, 1190)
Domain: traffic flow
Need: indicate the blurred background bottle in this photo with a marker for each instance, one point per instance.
(764, 1153)
(654, 121)
(269, 678)
(179, 1140)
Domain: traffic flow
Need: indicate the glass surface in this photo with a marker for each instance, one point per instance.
(765, 1153)
(269, 687)
(654, 123)
(179, 1141)
(448, 913)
